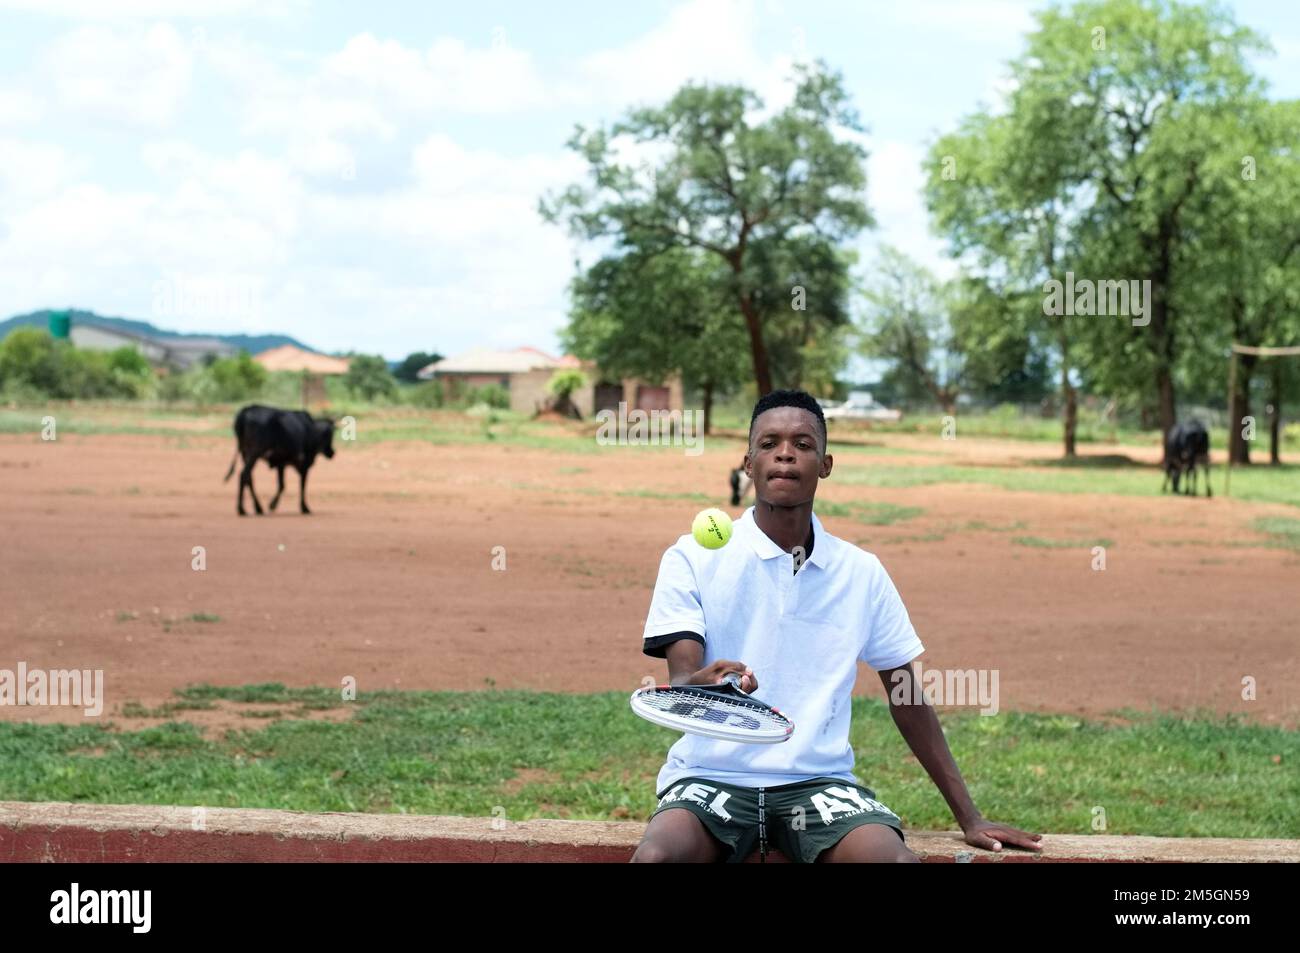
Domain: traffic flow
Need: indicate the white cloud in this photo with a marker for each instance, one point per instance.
(19, 106)
(433, 243)
(895, 180)
(31, 170)
(455, 258)
(152, 9)
(138, 77)
(983, 22)
(448, 76)
(701, 40)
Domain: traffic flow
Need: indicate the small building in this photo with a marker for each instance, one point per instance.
(186, 352)
(287, 357)
(525, 373)
(313, 367)
(99, 337)
(179, 353)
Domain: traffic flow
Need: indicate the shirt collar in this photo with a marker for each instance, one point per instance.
(763, 545)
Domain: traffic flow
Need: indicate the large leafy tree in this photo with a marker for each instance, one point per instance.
(908, 323)
(1248, 261)
(413, 363)
(652, 314)
(1119, 112)
(747, 192)
(998, 203)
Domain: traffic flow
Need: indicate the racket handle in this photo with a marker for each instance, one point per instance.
(732, 679)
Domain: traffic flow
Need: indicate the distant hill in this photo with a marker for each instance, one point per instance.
(252, 343)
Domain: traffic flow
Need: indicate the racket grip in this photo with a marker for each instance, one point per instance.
(732, 679)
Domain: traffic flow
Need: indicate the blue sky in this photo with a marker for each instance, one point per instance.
(365, 176)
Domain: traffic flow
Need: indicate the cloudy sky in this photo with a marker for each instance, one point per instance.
(366, 176)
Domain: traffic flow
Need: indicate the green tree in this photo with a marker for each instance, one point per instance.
(908, 324)
(130, 373)
(1248, 262)
(997, 202)
(413, 363)
(562, 385)
(652, 314)
(726, 185)
(232, 378)
(368, 377)
(28, 360)
(1144, 106)
(1101, 165)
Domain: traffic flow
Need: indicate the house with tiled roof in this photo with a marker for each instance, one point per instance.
(525, 373)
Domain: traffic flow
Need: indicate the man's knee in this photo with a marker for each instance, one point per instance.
(677, 837)
(662, 851)
(653, 852)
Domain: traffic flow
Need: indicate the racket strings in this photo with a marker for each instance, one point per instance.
(720, 709)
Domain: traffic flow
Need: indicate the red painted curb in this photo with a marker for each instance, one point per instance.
(108, 833)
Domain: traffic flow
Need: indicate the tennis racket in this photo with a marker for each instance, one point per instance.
(721, 711)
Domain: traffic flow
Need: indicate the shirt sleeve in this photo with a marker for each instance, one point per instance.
(891, 641)
(675, 608)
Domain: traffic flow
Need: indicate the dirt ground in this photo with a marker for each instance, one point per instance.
(391, 580)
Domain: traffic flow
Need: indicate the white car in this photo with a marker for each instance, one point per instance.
(861, 408)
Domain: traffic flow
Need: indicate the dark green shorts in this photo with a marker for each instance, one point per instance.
(801, 819)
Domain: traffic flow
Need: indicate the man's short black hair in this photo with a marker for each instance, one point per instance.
(790, 398)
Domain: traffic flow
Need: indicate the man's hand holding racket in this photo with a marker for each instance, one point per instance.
(714, 701)
(716, 672)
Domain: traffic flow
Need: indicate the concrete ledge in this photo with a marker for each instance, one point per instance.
(109, 833)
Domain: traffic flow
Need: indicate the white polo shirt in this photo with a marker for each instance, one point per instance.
(802, 634)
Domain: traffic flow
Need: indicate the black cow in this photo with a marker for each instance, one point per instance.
(740, 485)
(282, 438)
(1186, 447)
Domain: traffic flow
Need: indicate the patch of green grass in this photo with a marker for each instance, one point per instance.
(894, 540)
(203, 617)
(869, 513)
(270, 693)
(1042, 543)
(658, 495)
(981, 526)
(125, 616)
(587, 756)
(1283, 530)
(1263, 484)
(133, 709)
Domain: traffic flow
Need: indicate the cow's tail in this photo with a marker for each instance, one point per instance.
(231, 471)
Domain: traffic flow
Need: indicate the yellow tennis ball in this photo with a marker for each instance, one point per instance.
(711, 528)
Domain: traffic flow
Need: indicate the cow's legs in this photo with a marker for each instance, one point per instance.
(1208, 493)
(243, 476)
(279, 490)
(247, 478)
(302, 493)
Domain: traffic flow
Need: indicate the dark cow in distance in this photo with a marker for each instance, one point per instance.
(1186, 447)
(283, 438)
(740, 484)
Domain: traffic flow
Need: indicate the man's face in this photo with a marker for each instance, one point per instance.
(785, 458)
